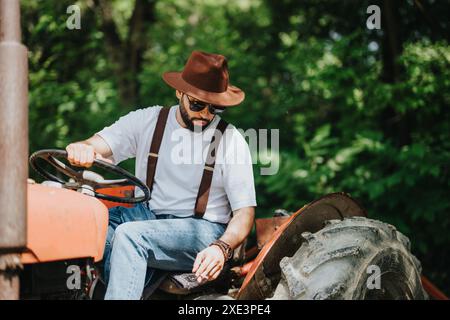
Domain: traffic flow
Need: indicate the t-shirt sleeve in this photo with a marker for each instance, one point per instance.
(238, 172)
(123, 136)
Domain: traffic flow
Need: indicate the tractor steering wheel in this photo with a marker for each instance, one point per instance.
(86, 177)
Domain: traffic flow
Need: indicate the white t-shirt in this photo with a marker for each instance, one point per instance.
(181, 162)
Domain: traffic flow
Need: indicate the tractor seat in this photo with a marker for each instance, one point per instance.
(183, 283)
(177, 283)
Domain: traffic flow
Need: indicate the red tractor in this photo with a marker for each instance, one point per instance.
(328, 249)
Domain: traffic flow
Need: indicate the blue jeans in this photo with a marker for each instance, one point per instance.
(138, 240)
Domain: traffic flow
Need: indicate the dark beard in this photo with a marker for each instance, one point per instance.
(189, 122)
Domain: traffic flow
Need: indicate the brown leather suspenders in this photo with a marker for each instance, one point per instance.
(155, 145)
(205, 184)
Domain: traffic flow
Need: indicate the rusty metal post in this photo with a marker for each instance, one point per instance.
(13, 147)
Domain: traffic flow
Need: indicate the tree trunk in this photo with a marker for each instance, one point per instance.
(126, 55)
(394, 123)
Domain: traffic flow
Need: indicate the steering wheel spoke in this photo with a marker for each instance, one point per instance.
(62, 167)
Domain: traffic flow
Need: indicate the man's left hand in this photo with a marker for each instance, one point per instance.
(208, 263)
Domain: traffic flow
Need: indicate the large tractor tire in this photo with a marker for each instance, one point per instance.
(355, 258)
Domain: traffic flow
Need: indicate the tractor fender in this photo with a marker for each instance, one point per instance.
(265, 273)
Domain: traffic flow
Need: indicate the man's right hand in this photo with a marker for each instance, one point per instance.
(82, 154)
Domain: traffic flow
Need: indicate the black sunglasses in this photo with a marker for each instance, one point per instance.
(197, 106)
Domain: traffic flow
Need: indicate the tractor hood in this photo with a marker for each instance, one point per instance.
(63, 224)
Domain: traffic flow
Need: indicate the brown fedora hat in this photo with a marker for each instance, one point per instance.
(205, 77)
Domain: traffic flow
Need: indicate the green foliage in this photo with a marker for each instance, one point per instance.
(310, 69)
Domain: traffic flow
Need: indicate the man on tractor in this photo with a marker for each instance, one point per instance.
(201, 208)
